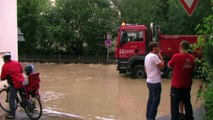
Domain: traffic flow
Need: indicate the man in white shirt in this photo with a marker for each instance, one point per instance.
(153, 64)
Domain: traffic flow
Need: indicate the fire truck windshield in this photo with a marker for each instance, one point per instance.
(131, 36)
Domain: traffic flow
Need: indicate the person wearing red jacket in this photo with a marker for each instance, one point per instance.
(12, 72)
(183, 65)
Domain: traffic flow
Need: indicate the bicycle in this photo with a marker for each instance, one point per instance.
(31, 104)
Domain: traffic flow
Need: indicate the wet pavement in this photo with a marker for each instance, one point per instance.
(97, 92)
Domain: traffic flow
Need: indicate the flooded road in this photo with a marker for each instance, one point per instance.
(97, 92)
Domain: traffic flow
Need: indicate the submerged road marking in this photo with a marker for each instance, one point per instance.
(62, 114)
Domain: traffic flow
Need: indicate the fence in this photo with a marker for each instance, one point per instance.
(86, 59)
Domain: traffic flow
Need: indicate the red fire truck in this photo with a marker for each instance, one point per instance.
(132, 46)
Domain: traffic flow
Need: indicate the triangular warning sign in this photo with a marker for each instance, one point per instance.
(189, 5)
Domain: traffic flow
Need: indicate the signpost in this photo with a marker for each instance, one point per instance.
(189, 5)
(108, 43)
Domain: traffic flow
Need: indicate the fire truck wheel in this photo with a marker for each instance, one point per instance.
(138, 72)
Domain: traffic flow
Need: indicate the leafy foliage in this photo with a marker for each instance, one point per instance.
(28, 22)
(180, 22)
(65, 25)
(169, 14)
(208, 103)
(205, 41)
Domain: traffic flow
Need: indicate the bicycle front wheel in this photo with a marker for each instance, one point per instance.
(4, 101)
(34, 108)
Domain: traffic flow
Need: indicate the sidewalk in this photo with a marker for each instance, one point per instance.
(197, 115)
(22, 116)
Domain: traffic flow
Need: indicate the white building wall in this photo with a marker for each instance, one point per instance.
(8, 29)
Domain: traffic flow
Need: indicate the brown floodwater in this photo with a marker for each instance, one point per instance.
(97, 92)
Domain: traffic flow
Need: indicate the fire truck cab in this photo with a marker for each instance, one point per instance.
(131, 48)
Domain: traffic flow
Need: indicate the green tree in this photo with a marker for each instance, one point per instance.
(28, 15)
(135, 11)
(205, 41)
(169, 14)
(65, 25)
(178, 20)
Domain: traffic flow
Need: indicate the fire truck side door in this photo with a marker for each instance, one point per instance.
(132, 43)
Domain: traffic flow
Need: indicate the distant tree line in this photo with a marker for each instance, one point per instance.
(79, 27)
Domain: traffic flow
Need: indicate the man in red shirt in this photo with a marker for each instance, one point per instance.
(183, 65)
(12, 72)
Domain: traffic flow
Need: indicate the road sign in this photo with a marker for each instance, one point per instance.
(189, 5)
(108, 43)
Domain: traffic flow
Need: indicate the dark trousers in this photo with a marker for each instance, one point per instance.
(12, 99)
(183, 95)
(153, 100)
